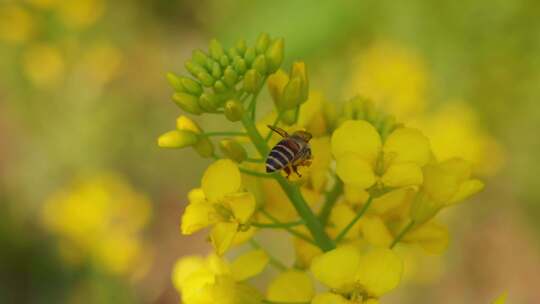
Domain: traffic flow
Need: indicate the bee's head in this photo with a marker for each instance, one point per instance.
(305, 136)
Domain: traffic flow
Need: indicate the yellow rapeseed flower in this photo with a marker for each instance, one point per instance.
(220, 202)
(362, 159)
(44, 65)
(16, 24)
(290, 286)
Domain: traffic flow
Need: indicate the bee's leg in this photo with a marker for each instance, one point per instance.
(295, 168)
(288, 171)
(306, 163)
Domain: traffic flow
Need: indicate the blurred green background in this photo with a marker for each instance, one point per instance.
(83, 97)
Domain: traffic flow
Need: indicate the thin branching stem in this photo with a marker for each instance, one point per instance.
(402, 234)
(209, 134)
(358, 216)
(289, 229)
(278, 225)
(330, 201)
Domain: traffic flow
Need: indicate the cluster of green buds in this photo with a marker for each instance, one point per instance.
(222, 78)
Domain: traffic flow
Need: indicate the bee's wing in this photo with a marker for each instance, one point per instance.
(279, 131)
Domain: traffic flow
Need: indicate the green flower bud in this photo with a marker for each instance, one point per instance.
(233, 52)
(187, 102)
(204, 147)
(290, 117)
(240, 65)
(233, 150)
(260, 65)
(230, 77)
(216, 50)
(299, 70)
(194, 68)
(292, 94)
(224, 61)
(241, 47)
(220, 87)
(388, 125)
(216, 70)
(252, 81)
(262, 43)
(175, 82)
(206, 79)
(274, 55)
(199, 57)
(233, 110)
(209, 102)
(177, 139)
(250, 55)
(190, 85)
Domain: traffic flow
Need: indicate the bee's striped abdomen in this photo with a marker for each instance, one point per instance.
(281, 155)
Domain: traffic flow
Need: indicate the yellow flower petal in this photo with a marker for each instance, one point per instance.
(402, 175)
(329, 298)
(243, 236)
(340, 217)
(375, 231)
(391, 201)
(466, 189)
(217, 264)
(222, 236)
(249, 264)
(197, 216)
(290, 286)
(354, 195)
(380, 271)
(196, 195)
(354, 170)
(185, 123)
(305, 252)
(407, 145)
(440, 183)
(356, 136)
(242, 205)
(221, 178)
(184, 267)
(433, 237)
(501, 299)
(195, 288)
(371, 301)
(337, 268)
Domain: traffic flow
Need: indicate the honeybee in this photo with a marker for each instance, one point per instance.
(290, 152)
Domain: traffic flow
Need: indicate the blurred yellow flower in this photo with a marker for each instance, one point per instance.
(101, 63)
(290, 286)
(16, 24)
(392, 77)
(81, 13)
(44, 4)
(501, 299)
(213, 280)
(44, 65)
(222, 203)
(457, 123)
(99, 218)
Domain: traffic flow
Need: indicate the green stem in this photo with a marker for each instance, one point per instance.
(278, 225)
(272, 260)
(225, 134)
(289, 229)
(359, 215)
(293, 192)
(402, 234)
(255, 173)
(330, 201)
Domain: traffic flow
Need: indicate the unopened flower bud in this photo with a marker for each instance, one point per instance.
(190, 86)
(177, 139)
(299, 70)
(292, 94)
(289, 117)
(224, 61)
(204, 147)
(216, 50)
(216, 70)
(220, 87)
(230, 77)
(262, 43)
(199, 57)
(187, 124)
(276, 84)
(233, 110)
(206, 79)
(233, 150)
(250, 55)
(209, 102)
(240, 65)
(194, 68)
(187, 102)
(274, 55)
(252, 81)
(233, 52)
(241, 46)
(175, 82)
(260, 65)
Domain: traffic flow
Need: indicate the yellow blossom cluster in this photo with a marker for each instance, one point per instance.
(100, 219)
(373, 183)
